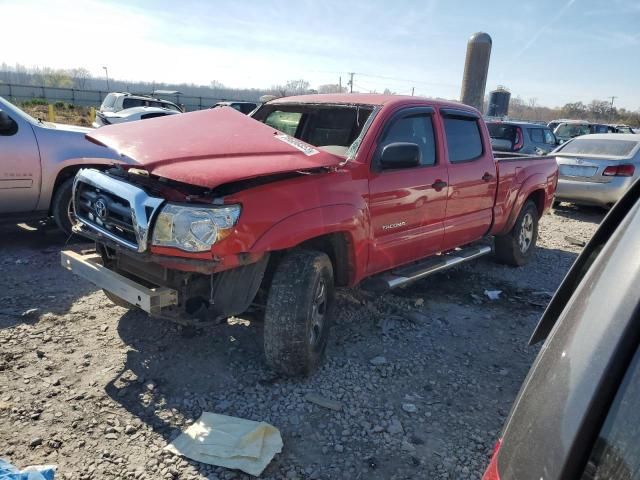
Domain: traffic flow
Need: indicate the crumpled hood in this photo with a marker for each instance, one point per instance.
(210, 147)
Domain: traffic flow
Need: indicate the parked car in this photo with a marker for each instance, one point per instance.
(577, 416)
(568, 129)
(131, 115)
(38, 161)
(597, 169)
(244, 107)
(521, 137)
(622, 129)
(116, 101)
(219, 206)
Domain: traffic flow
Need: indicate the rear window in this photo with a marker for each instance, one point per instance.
(570, 130)
(109, 101)
(502, 131)
(597, 146)
(463, 139)
(286, 122)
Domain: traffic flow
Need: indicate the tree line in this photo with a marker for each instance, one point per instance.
(80, 78)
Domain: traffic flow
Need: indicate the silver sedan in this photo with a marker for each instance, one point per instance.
(597, 169)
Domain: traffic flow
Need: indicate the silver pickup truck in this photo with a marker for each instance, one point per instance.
(38, 161)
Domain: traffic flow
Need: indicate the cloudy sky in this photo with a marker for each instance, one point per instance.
(555, 51)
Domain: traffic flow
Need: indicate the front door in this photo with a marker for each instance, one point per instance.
(407, 205)
(472, 180)
(19, 164)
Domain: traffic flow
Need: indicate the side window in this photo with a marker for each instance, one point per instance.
(286, 122)
(416, 129)
(8, 125)
(464, 141)
(132, 102)
(616, 454)
(549, 137)
(536, 135)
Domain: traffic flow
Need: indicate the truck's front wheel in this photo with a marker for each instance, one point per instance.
(516, 247)
(298, 313)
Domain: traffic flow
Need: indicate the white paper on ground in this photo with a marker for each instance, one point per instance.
(229, 442)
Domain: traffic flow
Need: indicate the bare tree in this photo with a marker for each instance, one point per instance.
(331, 88)
(80, 76)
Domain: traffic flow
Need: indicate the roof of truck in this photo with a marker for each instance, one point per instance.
(366, 99)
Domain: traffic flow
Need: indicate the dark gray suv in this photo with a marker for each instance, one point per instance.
(577, 415)
(521, 137)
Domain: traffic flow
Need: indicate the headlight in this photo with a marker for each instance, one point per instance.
(194, 229)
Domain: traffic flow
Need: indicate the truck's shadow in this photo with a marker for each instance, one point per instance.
(32, 279)
(168, 377)
(170, 369)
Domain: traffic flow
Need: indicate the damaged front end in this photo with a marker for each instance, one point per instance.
(130, 214)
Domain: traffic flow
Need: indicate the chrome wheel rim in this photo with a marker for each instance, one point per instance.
(526, 233)
(318, 312)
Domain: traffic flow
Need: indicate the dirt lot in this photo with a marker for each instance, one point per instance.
(424, 376)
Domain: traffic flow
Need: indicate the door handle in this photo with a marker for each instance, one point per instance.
(438, 185)
(487, 177)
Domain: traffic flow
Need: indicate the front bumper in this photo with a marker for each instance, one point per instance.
(592, 193)
(89, 266)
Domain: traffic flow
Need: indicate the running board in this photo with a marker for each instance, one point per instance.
(407, 274)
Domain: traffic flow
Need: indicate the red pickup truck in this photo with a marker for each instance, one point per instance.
(213, 211)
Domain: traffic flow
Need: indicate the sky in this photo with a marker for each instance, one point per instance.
(553, 51)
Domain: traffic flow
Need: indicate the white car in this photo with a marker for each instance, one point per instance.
(130, 115)
(116, 101)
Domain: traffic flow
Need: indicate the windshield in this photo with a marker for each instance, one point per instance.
(335, 127)
(597, 146)
(11, 109)
(502, 131)
(570, 130)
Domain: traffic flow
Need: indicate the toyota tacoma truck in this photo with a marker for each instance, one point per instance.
(211, 212)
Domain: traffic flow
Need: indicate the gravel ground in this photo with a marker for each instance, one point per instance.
(421, 379)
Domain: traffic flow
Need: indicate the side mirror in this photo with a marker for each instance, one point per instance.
(400, 155)
(7, 125)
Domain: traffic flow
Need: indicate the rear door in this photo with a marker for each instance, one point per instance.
(19, 166)
(472, 179)
(408, 205)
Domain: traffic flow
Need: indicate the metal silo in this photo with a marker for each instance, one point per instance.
(499, 102)
(476, 67)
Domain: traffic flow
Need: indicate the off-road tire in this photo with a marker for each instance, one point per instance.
(297, 320)
(117, 300)
(509, 248)
(60, 206)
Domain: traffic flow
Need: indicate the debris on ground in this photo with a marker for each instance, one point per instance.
(34, 472)
(229, 442)
(575, 241)
(493, 294)
(323, 402)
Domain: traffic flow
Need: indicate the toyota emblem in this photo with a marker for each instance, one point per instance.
(100, 208)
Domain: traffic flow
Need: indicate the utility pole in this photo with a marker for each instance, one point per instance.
(412, 90)
(340, 83)
(106, 72)
(351, 74)
(611, 107)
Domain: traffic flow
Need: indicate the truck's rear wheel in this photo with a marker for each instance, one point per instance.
(298, 313)
(516, 247)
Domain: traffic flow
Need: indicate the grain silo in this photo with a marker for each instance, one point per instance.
(499, 102)
(476, 67)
